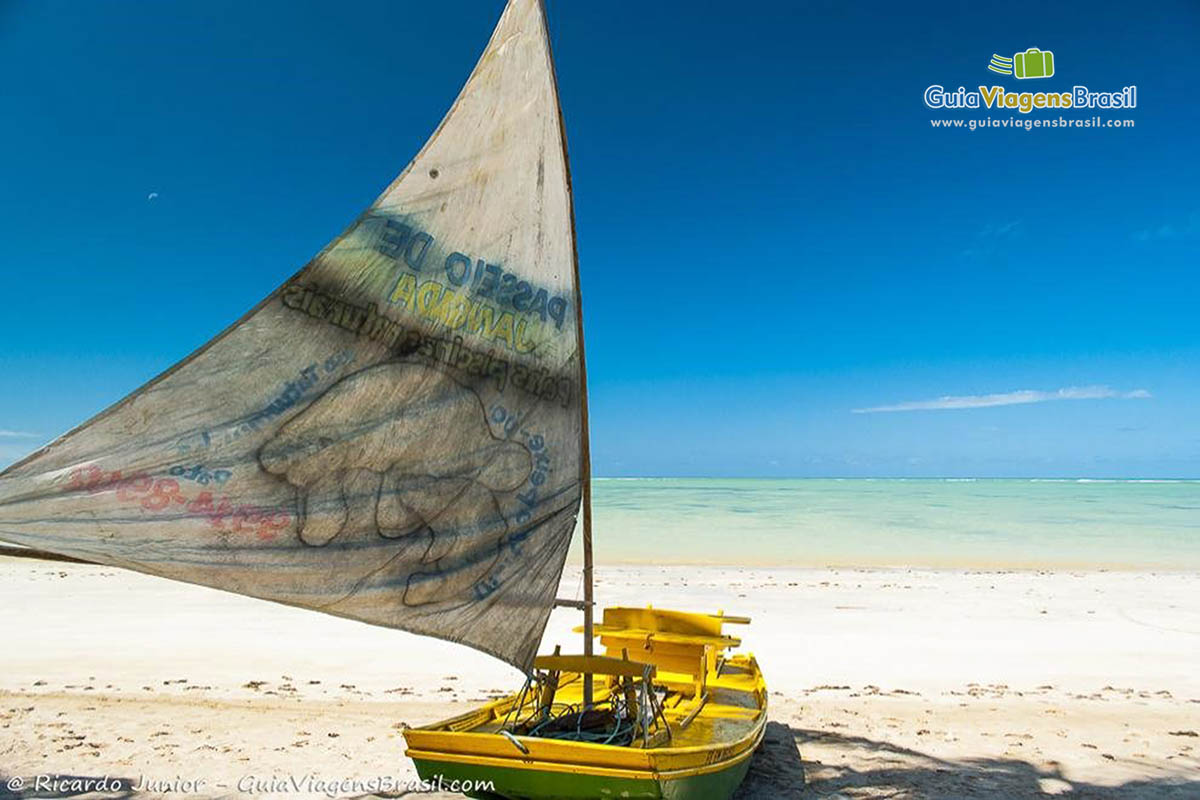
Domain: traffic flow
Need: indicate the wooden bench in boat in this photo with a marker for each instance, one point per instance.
(593, 665)
(686, 648)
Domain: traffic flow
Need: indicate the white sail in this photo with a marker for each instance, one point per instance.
(394, 434)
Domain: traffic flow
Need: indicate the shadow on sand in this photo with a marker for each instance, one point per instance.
(900, 773)
(776, 773)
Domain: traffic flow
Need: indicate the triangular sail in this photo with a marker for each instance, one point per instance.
(394, 434)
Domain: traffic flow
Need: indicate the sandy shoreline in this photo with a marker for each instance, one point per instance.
(892, 683)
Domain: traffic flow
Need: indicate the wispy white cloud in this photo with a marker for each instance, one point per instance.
(1000, 230)
(17, 434)
(1171, 230)
(11, 451)
(1020, 397)
(992, 237)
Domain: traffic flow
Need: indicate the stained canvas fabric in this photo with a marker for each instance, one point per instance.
(391, 436)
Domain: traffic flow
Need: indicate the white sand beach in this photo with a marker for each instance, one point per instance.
(888, 682)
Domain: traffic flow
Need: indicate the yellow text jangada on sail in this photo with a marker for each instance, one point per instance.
(478, 297)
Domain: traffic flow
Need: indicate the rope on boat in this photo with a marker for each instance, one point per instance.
(619, 734)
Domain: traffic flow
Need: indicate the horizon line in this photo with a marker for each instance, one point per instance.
(901, 477)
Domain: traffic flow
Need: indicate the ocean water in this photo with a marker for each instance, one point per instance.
(980, 523)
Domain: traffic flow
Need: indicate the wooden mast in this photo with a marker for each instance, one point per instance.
(585, 455)
(586, 472)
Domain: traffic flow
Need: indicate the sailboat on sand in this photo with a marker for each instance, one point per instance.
(398, 435)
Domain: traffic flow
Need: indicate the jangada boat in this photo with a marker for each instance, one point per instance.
(398, 435)
(678, 719)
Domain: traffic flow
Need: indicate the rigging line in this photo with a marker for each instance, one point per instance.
(40, 555)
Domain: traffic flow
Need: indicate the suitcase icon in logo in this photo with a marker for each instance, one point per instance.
(1033, 63)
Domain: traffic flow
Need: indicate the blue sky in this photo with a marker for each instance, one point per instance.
(772, 235)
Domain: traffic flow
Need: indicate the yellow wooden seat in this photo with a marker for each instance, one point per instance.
(642, 634)
(594, 665)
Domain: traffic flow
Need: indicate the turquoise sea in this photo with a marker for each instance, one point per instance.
(974, 523)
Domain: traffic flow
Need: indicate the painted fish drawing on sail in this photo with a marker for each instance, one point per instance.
(416, 460)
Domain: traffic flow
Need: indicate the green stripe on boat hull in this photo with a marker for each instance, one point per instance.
(531, 784)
